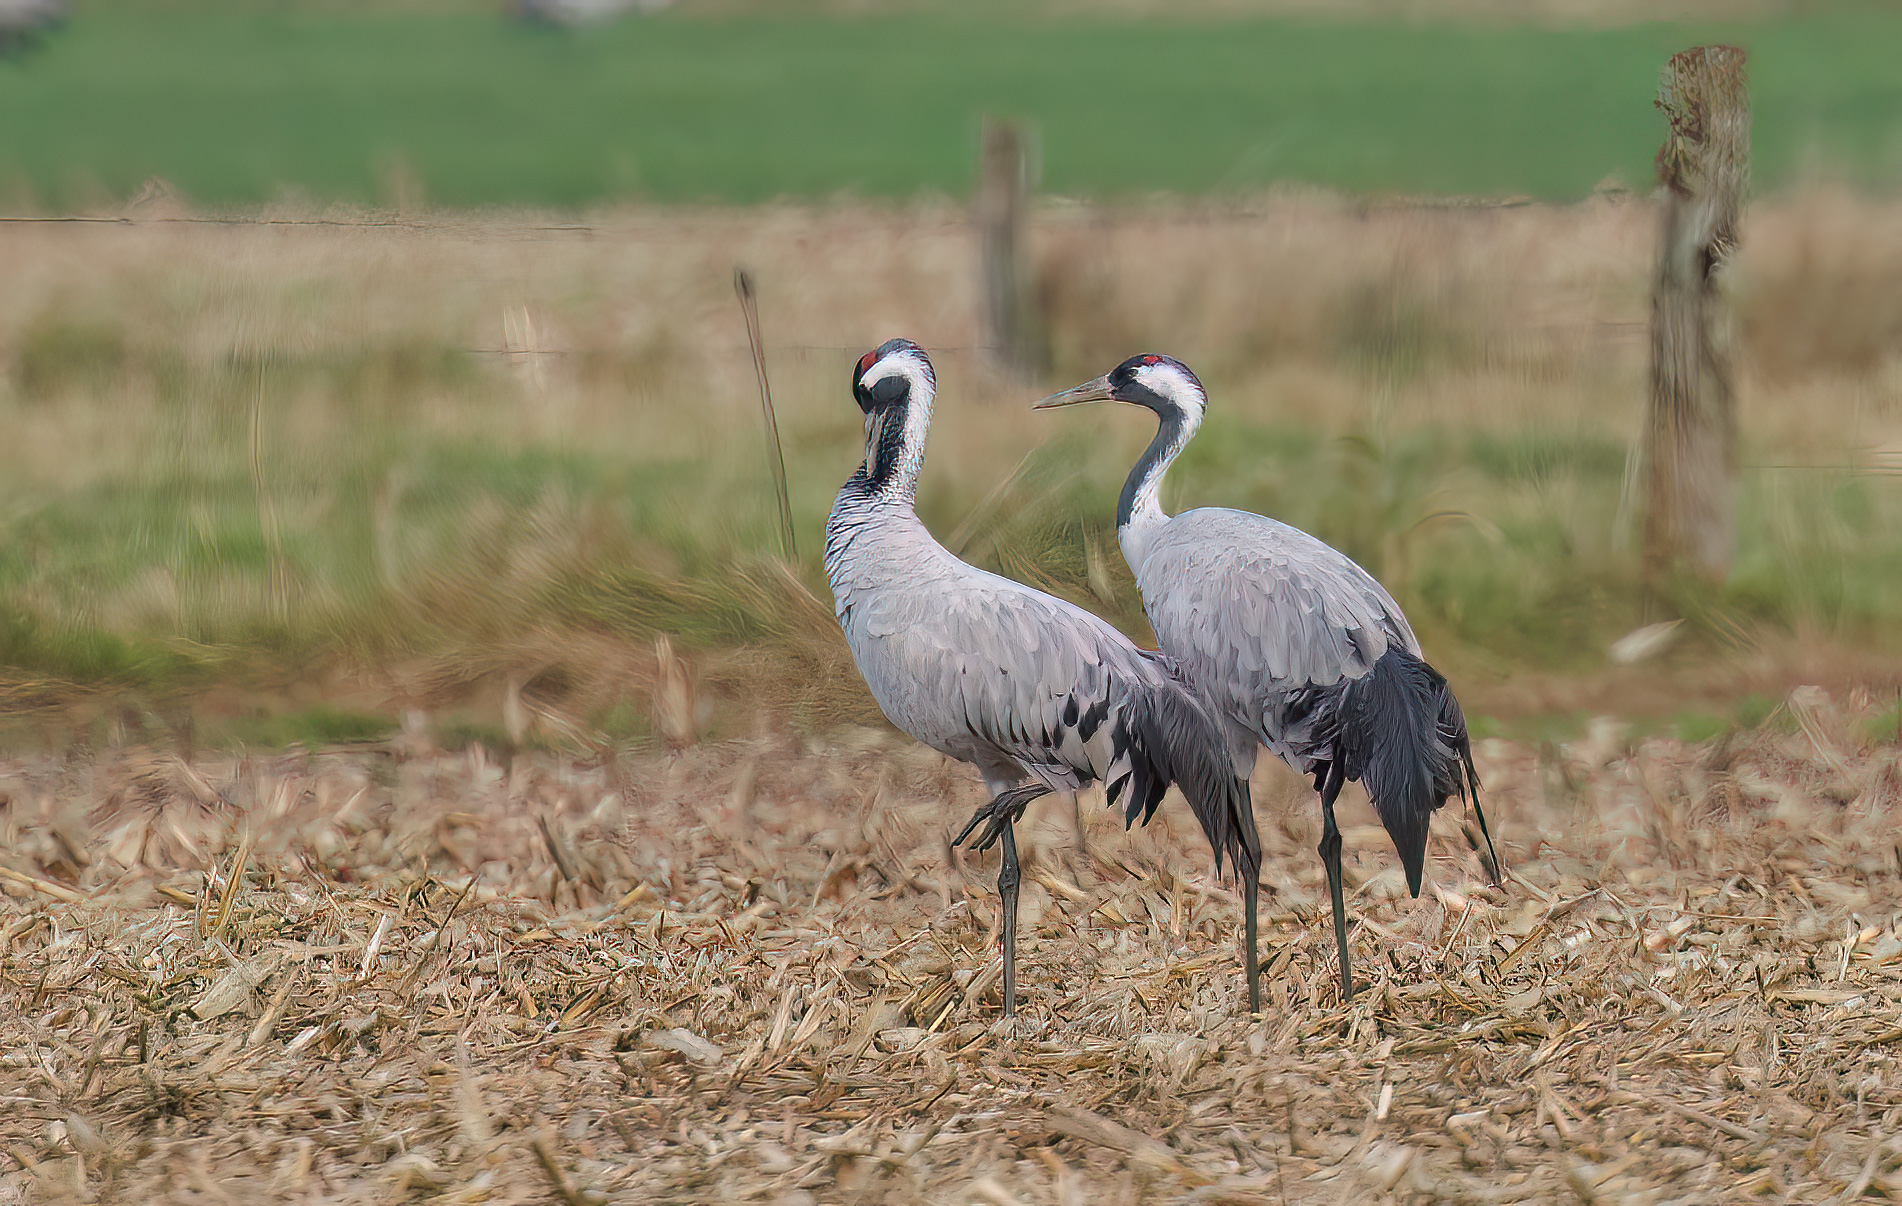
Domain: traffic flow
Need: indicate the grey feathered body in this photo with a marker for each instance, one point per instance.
(1262, 617)
(1296, 647)
(1017, 682)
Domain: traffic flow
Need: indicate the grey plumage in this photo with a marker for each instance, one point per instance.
(1038, 694)
(1290, 644)
(1304, 652)
(1261, 613)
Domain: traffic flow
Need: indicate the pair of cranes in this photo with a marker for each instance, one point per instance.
(1269, 638)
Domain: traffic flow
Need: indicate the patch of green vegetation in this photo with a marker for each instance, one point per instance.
(1886, 727)
(1479, 728)
(1538, 456)
(312, 727)
(236, 104)
(85, 653)
(1696, 727)
(1753, 710)
(622, 721)
(141, 581)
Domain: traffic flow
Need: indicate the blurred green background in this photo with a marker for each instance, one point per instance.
(238, 106)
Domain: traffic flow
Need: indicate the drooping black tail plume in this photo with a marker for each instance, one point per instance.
(1402, 736)
(1169, 737)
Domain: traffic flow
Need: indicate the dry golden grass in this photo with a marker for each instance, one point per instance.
(752, 972)
(620, 329)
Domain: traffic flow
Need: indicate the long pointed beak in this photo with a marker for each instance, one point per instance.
(1090, 391)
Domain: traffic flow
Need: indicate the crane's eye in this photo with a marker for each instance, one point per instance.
(889, 391)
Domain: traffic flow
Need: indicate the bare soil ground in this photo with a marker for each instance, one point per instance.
(753, 972)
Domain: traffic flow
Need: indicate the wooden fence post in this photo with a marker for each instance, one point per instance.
(1690, 439)
(1008, 322)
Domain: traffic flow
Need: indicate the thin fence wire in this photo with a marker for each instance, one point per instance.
(1063, 209)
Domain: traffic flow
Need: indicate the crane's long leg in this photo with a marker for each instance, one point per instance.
(1493, 868)
(1001, 813)
(1008, 877)
(1331, 857)
(1251, 889)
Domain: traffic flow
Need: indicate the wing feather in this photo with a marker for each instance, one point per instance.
(1259, 611)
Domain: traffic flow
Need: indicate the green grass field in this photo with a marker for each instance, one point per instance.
(238, 108)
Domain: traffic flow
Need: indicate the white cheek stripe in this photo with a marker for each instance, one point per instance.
(1165, 380)
(899, 363)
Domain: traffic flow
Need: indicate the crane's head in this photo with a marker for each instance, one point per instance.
(889, 374)
(894, 385)
(1161, 383)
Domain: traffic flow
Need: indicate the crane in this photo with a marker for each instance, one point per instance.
(1039, 695)
(1290, 644)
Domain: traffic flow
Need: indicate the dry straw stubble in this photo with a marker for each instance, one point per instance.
(749, 972)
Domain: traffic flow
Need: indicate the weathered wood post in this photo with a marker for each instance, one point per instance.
(1690, 439)
(1008, 322)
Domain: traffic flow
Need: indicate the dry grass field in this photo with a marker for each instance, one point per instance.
(363, 462)
(752, 971)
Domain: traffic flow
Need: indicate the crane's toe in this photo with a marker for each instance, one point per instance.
(1001, 812)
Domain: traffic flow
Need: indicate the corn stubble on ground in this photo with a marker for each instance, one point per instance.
(753, 972)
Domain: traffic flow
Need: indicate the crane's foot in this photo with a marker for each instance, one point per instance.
(1002, 811)
(997, 817)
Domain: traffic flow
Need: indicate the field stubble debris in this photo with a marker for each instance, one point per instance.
(753, 972)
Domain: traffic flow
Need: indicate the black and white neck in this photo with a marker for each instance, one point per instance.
(894, 385)
(1167, 387)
